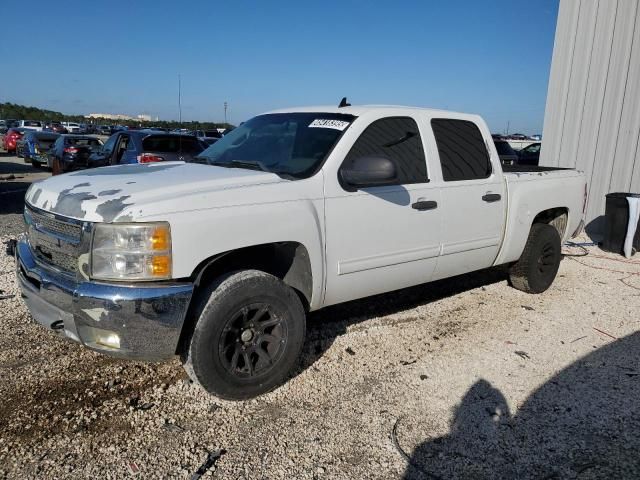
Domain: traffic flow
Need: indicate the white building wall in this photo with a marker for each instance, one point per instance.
(592, 116)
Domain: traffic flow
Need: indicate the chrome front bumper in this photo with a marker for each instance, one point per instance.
(147, 318)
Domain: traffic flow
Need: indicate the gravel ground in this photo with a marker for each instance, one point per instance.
(15, 178)
(469, 377)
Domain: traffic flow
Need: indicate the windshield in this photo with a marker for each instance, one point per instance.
(294, 145)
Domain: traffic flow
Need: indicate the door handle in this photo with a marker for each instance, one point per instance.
(422, 205)
(491, 197)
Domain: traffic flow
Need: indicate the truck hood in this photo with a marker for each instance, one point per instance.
(108, 194)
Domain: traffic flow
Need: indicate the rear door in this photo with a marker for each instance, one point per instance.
(473, 197)
(383, 238)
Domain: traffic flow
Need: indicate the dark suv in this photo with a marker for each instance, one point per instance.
(71, 152)
(146, 146)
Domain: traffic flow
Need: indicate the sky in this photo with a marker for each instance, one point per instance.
(78, 57)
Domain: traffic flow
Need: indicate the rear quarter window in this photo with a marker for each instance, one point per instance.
(171, 144)
(463, 153)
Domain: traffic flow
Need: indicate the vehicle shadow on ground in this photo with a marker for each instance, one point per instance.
(12, 196)
(582, 423)
(12, 168)
(325, 325)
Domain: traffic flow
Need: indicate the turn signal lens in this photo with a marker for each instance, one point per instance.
(161, 265)
(161, 238)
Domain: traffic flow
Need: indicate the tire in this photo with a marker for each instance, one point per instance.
(249, 333)
(56, 168)
(538, 265)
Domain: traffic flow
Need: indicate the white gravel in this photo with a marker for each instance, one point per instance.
(438, 362)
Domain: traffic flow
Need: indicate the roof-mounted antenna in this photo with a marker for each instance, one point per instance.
(344, 103)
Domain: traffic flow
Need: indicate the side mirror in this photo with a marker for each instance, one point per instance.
(368, 171)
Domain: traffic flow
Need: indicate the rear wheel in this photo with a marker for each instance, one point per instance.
(248, 336)
(538, 265)
(56, 168)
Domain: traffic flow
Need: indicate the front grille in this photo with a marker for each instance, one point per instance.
(71, 231)
(54, 240)
(57, 259)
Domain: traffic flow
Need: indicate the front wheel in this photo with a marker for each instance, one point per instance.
(248, 336)
(538, 265)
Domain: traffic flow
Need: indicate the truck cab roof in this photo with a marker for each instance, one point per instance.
(360, 110)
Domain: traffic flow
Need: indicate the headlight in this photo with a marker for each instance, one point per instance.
(131, 251)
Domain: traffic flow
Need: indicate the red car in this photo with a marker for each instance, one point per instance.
(10, 139)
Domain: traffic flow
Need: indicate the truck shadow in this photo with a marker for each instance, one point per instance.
(9, 168)
(12, 196)
(582, 423)
(325, 325)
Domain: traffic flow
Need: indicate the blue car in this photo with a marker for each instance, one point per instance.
(35, 146)
(146, 146)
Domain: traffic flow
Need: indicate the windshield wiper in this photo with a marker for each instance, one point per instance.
(241, 164)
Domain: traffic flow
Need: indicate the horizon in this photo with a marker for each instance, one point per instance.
(496, 63)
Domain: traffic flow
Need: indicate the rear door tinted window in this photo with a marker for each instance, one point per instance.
(398, 139)
(171, 144)
(463, 153)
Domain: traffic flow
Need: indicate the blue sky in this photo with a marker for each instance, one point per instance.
(487, 57)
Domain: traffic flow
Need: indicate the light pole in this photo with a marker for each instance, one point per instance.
(225, 114)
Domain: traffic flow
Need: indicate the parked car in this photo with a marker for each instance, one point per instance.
(293, 211)
(105, 130)
(507, 155)
(55, 127)
(71, 152)
(35, 145)
(518, 136)
(143, 146)
(529, 155)
(7, 124)
(20, 147)
(72, 127)
(32, 124)
(11, 138)
(208, 136)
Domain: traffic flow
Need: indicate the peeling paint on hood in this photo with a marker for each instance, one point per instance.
(121, 193)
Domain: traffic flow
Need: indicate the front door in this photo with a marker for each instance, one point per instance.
(384, 238)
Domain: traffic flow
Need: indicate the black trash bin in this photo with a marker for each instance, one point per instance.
(616, 221)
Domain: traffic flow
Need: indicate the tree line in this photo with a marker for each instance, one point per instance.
(22, 112)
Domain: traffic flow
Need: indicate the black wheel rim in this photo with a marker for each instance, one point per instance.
(253, 340)
(547, 258)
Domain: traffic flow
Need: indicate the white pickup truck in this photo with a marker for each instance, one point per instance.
(294, 210)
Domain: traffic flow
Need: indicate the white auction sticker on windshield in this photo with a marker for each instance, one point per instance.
(326, 123)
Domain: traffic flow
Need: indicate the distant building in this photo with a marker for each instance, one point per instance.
(592, 118)
(118, 116)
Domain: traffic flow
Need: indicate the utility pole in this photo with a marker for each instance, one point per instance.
(179, 100)
(225, 114)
